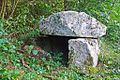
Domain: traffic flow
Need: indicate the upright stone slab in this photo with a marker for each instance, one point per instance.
(83, 52)
(71, 23)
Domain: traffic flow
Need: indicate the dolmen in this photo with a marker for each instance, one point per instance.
(84, 31)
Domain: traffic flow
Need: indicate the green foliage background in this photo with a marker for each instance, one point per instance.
(19, 22)
(106, 11)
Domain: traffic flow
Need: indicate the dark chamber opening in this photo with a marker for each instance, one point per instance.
(55, 44)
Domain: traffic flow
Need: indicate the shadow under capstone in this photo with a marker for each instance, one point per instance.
(55, 44)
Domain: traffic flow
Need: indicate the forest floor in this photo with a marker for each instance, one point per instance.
(29, 63)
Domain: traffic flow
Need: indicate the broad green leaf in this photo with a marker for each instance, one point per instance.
(35, 52)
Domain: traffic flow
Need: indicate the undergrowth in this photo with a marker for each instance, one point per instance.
(19, 61)
(28, 62)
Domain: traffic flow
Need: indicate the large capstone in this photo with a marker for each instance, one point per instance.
(72, 23)
(83, 52)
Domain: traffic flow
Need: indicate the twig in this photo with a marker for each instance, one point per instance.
(2, 8)
(24, 64)
(49, 77)
(11, 34)
(13, 9)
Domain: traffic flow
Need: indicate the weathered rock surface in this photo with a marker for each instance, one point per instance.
(83, 52)
(71, 23)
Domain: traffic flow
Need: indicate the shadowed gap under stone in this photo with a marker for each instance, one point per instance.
(55, 44)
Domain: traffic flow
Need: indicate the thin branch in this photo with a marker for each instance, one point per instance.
(12, 34)
(13, 9)
(2, 8)
(25, 65)
(49, 77)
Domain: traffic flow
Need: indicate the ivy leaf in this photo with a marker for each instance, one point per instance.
(35, 52)
(1, 24)
(3, 41)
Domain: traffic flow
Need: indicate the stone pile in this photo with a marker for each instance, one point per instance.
(84, 48)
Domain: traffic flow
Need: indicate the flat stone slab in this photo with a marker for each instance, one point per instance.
(72, 23)
(83, 52)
